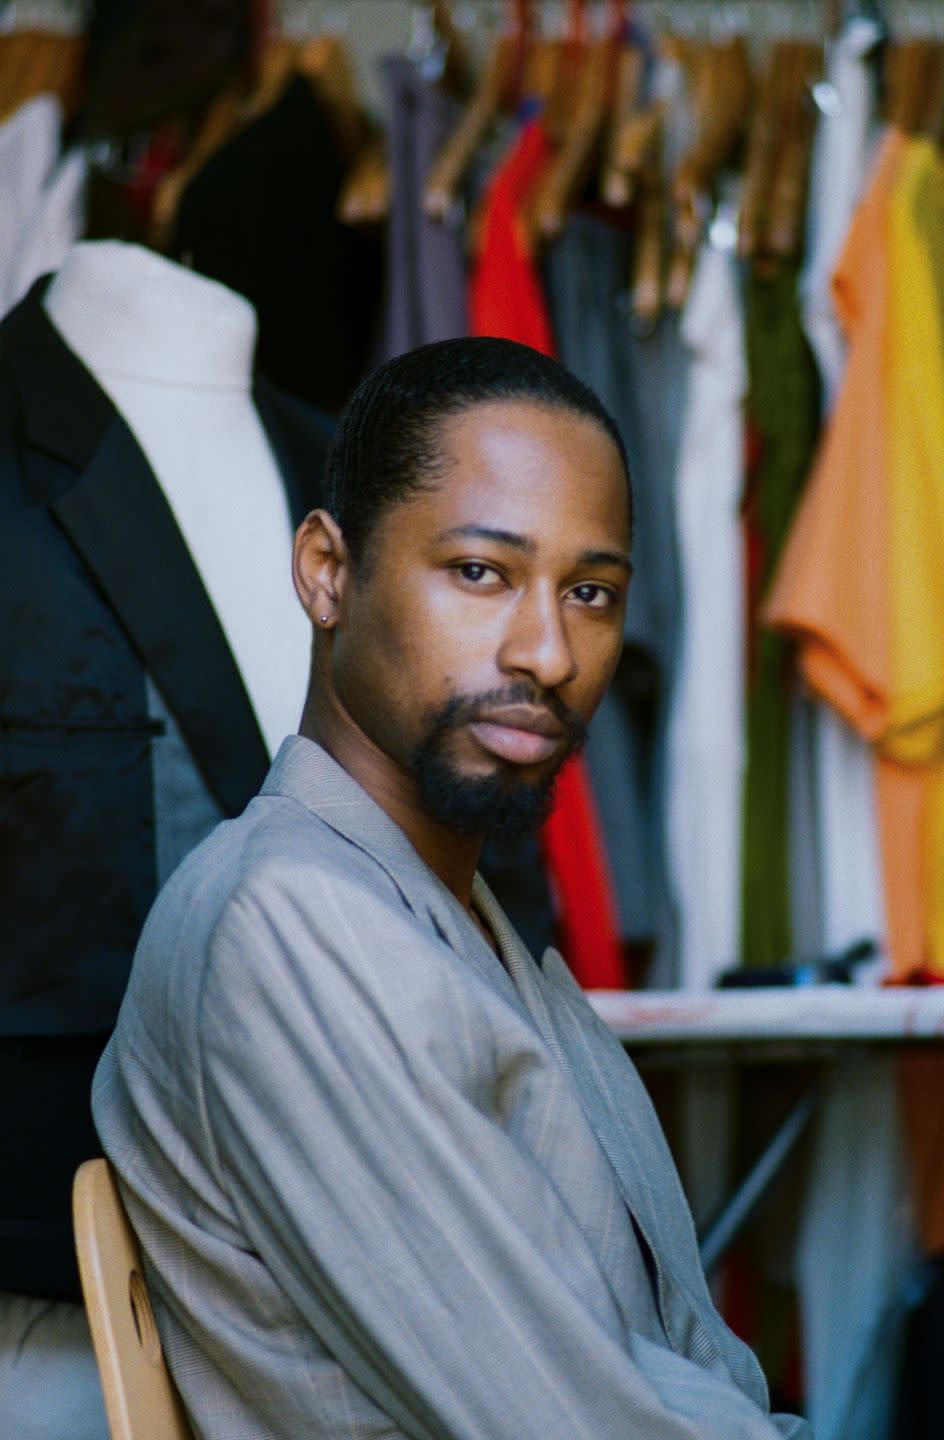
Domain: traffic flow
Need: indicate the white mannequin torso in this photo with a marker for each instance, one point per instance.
(174, 351)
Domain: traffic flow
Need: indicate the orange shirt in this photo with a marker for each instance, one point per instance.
(835, 588)
(832, 586)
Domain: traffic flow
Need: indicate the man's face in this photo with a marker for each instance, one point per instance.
(476, 644)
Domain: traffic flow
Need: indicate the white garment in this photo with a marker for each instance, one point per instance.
(852, 1312)
(841, 159)
(49, 1386)
(57, 222)
(706, 727)
(43, 202)
(174, 352)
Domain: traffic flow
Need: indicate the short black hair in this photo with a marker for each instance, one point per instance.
(387, 447)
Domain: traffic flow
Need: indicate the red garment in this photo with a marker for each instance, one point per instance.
(506, 300)
(505, 296)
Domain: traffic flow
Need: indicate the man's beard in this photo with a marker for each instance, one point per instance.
(503, 804)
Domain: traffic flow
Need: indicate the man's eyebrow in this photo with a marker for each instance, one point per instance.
(606, 557)
(528, 546)
(486, 532)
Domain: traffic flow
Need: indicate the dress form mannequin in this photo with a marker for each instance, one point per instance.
(132, 431)
(174, 353)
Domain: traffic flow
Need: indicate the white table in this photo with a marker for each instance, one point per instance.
(803, 1023)
(800, 1014)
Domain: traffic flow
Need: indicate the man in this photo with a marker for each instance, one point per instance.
(391, 1177)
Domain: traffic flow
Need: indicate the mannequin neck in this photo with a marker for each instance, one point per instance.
(130, 314)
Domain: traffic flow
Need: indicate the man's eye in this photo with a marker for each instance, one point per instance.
(597, 596)
(475, 571)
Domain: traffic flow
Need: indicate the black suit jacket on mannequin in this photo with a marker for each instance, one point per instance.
(97, 590)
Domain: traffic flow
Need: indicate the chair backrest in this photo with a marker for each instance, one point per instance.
(141, 1401)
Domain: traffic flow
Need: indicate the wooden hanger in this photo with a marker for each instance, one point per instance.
(222, 118)
(276, 67)
(324, 61)
(791, 178)
(647, 287)
(634, 143)
(452, 165)
(539, 82)
(457, 70)
(623, 153)
(12, 55)
(366, 194)
(721, 93)
(237, 104)
(763, 139)
(499, 85)
(909, 74)
(933, 122)
(576, 120)
(39, 62)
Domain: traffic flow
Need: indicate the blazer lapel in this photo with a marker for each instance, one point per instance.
(118, 519)
(612, 1097)
(83, 461)
(619, 1109)
(560, 1012)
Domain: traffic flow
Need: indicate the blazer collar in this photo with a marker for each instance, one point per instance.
(106, 498)
(304, 771)
(44, 370)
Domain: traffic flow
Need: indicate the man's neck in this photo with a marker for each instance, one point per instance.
(453, 858)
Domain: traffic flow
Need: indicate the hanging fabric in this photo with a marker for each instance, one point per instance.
(506, 299)
(425, 296)
(706, 735)
(783, 411)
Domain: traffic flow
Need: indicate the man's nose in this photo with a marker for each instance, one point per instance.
(536, 642)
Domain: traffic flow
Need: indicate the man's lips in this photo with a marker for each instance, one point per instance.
(520, 734)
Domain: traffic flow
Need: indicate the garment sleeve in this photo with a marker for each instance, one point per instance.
(359, 1107)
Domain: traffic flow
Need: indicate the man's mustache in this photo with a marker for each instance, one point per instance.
(462, 710)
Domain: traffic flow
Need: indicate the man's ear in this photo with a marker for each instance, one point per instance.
(320, 567)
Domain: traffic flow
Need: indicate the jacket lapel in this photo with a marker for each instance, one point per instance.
(83, 461)
(118, 519)
(619, 1109)
(611, 1094)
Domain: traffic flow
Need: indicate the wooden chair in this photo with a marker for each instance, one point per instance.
(141, 1401)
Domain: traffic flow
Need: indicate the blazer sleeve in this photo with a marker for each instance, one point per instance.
(359, 1109)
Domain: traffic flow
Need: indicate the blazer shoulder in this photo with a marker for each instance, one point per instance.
(278, 852)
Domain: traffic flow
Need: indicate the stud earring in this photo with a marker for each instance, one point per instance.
(324, 619)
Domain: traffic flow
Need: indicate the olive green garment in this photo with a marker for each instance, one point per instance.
(784, 408)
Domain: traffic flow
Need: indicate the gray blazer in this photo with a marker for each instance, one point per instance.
(384, 1185)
